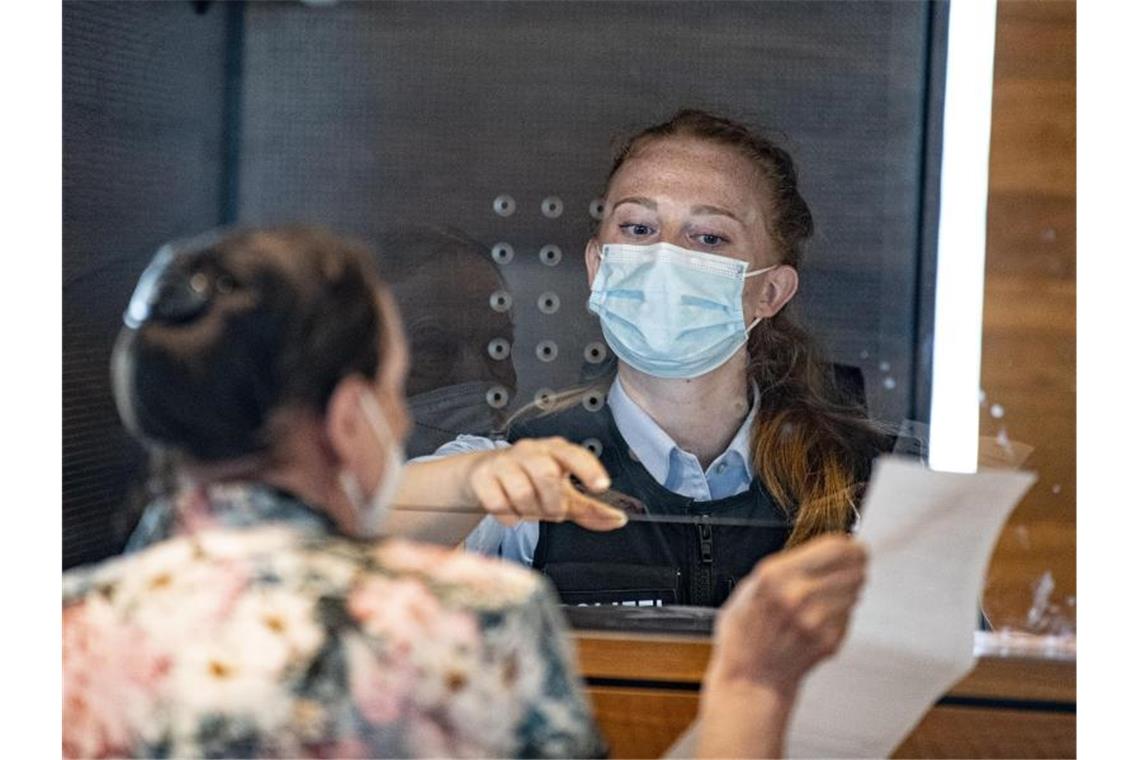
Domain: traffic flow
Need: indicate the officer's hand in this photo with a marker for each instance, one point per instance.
(531, 481)
(790, 613)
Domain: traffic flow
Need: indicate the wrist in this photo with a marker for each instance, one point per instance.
(732, 677)
(743, 718)
(777, 699)
(474, 461)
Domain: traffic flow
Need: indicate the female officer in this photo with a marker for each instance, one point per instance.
(720, 407)
(258, 617)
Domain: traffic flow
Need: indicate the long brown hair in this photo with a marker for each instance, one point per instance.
(811, 447)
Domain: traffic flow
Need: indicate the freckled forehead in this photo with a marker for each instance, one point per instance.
(691, 172)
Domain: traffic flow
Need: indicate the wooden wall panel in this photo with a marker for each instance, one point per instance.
(1036, 40)
(1036, 235)
(971, 732)
(640, 722)
(1029, 348)
(1033, 135)
(640, 656)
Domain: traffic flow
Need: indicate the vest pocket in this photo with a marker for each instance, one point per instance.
(615, 583)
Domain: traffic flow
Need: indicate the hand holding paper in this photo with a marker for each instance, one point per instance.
(929, 536)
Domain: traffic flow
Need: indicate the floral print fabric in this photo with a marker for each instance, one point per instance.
(281, 640)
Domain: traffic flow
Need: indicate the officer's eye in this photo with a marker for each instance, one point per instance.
(710, 240)
(634, 229)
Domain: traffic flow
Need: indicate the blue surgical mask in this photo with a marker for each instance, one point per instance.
(671, 312)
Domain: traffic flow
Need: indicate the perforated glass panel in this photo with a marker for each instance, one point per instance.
(500, 119)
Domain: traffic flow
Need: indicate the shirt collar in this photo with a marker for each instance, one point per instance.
(654, 448)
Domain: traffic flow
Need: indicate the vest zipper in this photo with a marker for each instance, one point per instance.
(706, 543)
(704, 578)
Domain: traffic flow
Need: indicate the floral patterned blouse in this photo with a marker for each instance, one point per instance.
(256, 632)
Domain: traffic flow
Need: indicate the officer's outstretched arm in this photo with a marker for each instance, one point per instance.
(529, 480)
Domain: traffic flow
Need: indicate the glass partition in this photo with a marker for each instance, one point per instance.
(469, 144)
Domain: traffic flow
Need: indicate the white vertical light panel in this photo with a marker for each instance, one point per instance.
(960, 277)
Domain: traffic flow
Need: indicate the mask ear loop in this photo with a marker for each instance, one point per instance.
(753, 273)
(380, 505)
(371, 408)
(351, 488)
(348, 481)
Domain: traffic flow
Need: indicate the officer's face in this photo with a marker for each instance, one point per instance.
(694, 194)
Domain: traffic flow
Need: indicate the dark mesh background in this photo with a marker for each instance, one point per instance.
(369, 116)
(142, 150)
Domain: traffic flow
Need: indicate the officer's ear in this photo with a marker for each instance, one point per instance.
(772, 292)
(593, 259)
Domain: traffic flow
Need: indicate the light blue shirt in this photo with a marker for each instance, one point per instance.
(668, 464)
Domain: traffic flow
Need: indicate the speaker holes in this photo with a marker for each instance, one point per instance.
(549, 302)
(501, 301)
(552, 207)
(504, 205)
(499, 349)
(595, 352)
(546, 351)
(550, 255)
(503, 253)
(498, 396)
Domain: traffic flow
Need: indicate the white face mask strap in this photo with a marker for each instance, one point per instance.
(755, 272)
(383, 432)
(375, 417)
(750, 274)
(352, 490)
(373, 511)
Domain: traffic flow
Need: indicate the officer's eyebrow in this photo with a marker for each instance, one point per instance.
(640, 200)
(714, 210)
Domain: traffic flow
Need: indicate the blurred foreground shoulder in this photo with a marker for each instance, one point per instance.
(270, 641)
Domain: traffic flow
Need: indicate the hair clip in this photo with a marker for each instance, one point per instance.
(170, 291)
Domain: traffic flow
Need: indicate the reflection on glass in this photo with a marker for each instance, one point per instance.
(457, 315)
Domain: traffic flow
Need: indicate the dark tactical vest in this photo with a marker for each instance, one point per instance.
(649, 564)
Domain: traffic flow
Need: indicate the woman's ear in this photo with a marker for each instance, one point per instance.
(593, 259)
(345, 427)
(775, 289)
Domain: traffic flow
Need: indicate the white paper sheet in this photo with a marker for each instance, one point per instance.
(929, 535)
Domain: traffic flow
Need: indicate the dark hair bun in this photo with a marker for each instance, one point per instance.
(221, 332)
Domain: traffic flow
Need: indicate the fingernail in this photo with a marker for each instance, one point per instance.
(602, 483)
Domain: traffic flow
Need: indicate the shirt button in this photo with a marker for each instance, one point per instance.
(720, 468)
